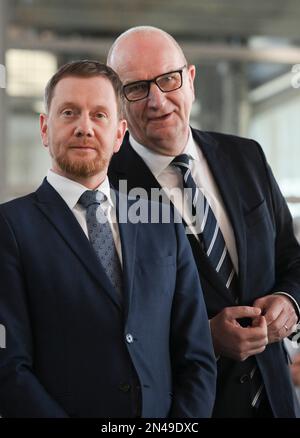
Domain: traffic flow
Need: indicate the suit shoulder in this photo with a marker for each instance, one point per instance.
(230, 140)
(18, 204)
(241, 148)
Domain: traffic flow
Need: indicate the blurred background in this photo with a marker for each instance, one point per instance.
(247, 56)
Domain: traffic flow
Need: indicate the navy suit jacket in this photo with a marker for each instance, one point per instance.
(268, 254)
(74, 347)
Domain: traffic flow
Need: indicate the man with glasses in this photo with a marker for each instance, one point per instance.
(247, 257)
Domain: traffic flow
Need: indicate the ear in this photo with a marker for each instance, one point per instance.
(44, 128)
(122, 126)
(191, 78)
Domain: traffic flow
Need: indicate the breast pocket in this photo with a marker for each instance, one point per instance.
(156, 275)
(169, 260)
(260, 244)
(257, 214)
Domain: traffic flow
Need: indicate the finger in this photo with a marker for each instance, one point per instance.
(277, 335)
(260, 322)
(258, 332)
(278, 322)
(282, 327)
(272, 312)
(263, 303)
(288, 327)
(237, 312)
(255, 345)
(260, 302)
(257, 350)
(255, 334)
(253, 352)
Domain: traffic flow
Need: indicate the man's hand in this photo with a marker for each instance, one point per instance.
(232, 340)
(295, 370)
(280, 316)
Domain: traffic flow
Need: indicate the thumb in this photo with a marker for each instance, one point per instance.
(260, 321)
(260, 303)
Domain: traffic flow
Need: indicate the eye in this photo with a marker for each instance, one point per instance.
(171, 78)
(136, 89)
(100, 115)
(168, 78)
(68, 113)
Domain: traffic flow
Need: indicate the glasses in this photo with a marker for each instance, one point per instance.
(167, 82)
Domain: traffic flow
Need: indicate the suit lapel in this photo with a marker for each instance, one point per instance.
(221, 169)
(128, 234)
(130, 163)
(58, 213)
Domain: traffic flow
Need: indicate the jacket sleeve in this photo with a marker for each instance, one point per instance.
(192, 354)
(21, 393)
(287, 249)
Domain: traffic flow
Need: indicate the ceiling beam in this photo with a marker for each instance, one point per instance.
(195, 52)
(211, 18)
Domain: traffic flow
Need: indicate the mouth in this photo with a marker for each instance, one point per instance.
(83, 148)
(161, 118)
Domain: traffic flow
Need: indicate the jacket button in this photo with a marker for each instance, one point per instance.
(124, 387)
(129, 338)
(244, 378)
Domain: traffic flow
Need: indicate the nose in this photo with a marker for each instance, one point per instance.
(156, 98)
(84, 127)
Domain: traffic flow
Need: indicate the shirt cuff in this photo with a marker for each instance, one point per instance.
(296, 306)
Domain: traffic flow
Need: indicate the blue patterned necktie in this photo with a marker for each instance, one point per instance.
(101, 237)
(210, 236)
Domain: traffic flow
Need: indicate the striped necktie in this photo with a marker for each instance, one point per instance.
(210, 235)
(213, 244)
(101, 237)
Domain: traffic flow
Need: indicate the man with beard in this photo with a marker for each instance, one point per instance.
(103, 317)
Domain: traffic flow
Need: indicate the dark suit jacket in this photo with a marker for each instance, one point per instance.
(74, 347)
(268, 254)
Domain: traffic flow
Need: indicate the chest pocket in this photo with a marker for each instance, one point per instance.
(257, 214)
(156, 275)
(260, 245)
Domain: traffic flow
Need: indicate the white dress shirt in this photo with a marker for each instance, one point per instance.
(70, 191)
(170, 177)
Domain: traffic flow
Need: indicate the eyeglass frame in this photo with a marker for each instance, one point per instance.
(149, 82)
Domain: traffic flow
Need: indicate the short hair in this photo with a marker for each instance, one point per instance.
(85, 69)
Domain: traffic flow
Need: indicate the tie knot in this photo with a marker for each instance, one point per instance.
(181, 161)
(90, 197)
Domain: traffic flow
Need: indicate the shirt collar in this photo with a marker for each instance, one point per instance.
(157, 163)
(71, 190)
